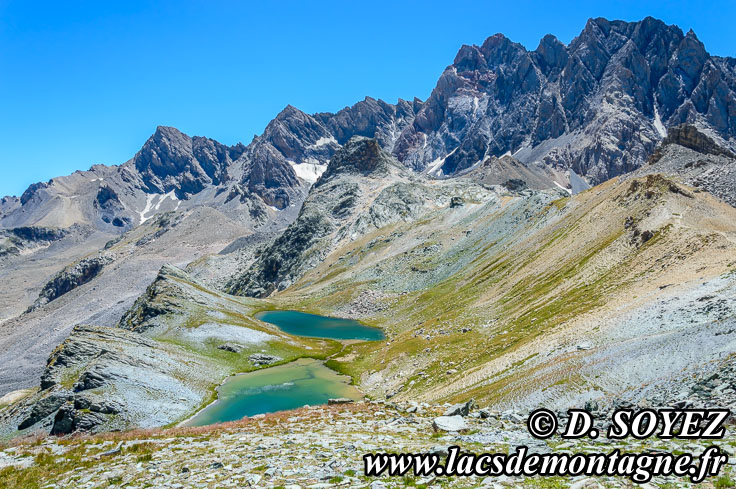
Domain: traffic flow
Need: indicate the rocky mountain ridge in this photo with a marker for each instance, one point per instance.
(173, 170)
(362, 189)
(598, 105)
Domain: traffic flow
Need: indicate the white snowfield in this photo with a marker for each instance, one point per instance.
(308, 172)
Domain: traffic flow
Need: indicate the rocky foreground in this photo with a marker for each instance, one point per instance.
(313, 447)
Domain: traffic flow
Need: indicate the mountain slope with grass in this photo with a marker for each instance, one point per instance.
(529, 298)
(362, 189)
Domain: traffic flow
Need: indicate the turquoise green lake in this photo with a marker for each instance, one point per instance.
(288, 386)
(303, 324)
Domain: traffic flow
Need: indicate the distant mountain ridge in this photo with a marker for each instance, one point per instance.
(598, 106)
(172, 167)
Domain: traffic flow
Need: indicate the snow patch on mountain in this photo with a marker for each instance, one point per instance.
(308, 172)
(324, 141)
(658, 123)
(147, 208)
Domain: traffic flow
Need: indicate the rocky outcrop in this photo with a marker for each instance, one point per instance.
(688, 136)
(70, 278)
(107, 198)
(13, 241)
(37, 233)
(361, 189)
(103, 379)
(462, 409)
(696, 160)
(111, 208)
(45, 408)
(360, 156)
(259, 359)
(162, 297)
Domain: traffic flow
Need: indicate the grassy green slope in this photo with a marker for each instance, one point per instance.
(471, 296)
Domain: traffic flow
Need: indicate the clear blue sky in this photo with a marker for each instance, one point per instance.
(88, 82)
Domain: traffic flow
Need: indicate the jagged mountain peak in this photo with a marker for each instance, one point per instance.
(289, 111)
(173, 161)
(168, 131)
(499, 49)
(360, 155)
(598, 105)
(551, 54)
(293, 131)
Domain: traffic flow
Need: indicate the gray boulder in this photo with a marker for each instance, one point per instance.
(449, 423)
(339, 400)
(231, 347)
(462, 409)
(259, 359)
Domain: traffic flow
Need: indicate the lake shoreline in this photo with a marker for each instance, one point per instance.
(322, 383)
(343, 381)
(310, 325)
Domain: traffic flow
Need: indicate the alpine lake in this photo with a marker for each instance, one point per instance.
(305, 381)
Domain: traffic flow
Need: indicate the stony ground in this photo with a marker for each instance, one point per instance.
(313, 447)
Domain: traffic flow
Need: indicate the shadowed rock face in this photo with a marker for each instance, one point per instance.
(100, 357)
(268, 174)
(171, 160)
(360, 156)
(688, 136)
(597, 105)
(70, 278)
(696, 160)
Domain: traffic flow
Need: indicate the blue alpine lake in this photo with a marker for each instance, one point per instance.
(313, 325)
